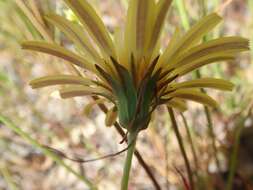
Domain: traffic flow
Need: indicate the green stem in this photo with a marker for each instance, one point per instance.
(181, 146)
(140, 159)
(128, 162)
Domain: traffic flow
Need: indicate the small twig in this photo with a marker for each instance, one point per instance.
(166, 160)
(181, 146)
(191, 142)
(186, 185)
(210, 129)
(80, 160)
(213, 138)
(124, 139)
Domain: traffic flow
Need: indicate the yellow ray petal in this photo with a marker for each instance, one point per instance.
(87, 109)
(75, 33)
(141, 17)
(188, 67)
(144, 21)
(193, 95)
(111, 117)
(58, 51)
(178, 104)
(193, 36)
(205, 83)
(119, 46)
(93, 24)
(71, 92)
(130, 31)
(174, 40)
(59, 79)
(220, 45)
(75, 91)
(162, 8)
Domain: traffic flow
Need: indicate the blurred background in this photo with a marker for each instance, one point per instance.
(69, 126)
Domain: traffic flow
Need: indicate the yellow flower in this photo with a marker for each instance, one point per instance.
(131, 69)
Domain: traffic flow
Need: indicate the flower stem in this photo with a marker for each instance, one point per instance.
(128, 162)
(140, 159)
(181, 146)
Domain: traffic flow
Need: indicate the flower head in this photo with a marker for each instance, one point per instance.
(130, 68)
